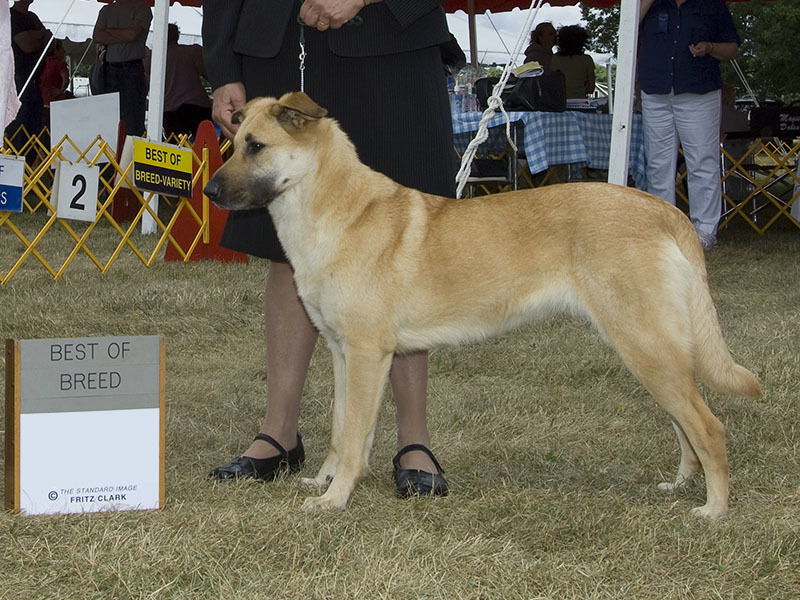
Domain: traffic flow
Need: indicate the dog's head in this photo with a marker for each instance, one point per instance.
(273, 152)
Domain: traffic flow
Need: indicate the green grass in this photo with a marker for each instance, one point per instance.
(552, 451)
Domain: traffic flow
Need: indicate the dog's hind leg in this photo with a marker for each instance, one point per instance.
(705, 435)
(365, 372)
(651, 332)
(667, 372)
(690, 464)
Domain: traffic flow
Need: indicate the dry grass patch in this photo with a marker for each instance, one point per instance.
(552, 450)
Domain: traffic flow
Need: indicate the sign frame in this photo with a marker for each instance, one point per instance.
(162, 168)
(13, 474)
(13, 181)
(82, 120)
(87, 178)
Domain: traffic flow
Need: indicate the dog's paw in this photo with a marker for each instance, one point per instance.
(712, 513)
(315, 482)
(680, 481)
(319, 503)
(669, 487)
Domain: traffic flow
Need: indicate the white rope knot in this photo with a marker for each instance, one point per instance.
(494, 102)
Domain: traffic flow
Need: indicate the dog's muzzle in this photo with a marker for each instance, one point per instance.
(236, 195)
(222, 198)
(213, 190)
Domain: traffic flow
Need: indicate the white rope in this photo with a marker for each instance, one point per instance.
(743, 78)
(494, 102)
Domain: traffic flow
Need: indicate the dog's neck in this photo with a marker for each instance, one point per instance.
(310, 215)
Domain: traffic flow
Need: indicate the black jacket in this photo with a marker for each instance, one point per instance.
(232, 28)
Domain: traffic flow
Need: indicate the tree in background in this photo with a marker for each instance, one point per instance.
(769, 31)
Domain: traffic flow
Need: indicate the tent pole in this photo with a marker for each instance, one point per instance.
(473, 35)
(623, 105)
(155, 114)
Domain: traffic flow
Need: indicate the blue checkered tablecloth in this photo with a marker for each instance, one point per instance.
(549, 138)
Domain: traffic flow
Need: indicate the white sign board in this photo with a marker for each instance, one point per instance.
(75, 191)
(83, 119)
(12, 182)
(85, 424)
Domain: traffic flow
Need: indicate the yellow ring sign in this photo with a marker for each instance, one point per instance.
(162, 168)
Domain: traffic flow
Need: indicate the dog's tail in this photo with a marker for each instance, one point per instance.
(713, 361)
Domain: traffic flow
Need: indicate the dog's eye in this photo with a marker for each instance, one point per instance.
(254, 147)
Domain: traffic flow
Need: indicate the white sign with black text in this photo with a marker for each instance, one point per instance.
(86, 430)
(75, 191)
(12, 182)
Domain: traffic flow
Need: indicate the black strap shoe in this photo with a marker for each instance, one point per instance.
(412, 483)
(265, 469)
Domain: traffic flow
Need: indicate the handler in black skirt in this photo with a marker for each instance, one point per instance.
(375, 65)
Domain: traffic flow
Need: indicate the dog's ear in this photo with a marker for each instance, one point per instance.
(297, 109)
(301, 103)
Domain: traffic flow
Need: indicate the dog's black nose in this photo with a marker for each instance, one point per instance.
(212, 189)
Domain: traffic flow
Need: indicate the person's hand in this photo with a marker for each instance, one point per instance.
(701, 48)
(330, 14)
(228, 99)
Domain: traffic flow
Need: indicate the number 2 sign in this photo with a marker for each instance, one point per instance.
(75, 191)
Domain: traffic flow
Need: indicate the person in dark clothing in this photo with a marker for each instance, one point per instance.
(376, 67)
(572, 60)
(543, 38)
(28, 39)
(122, 27)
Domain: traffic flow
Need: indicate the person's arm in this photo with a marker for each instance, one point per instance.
(220, 19)
(118, 35)
(138, 27)
(719, 50)
(32, 40)
(227, 99)
(644, 7)
(590, 79)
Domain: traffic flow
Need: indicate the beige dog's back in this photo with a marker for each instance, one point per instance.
(564, 248)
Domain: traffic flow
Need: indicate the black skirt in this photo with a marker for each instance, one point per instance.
(394, 108)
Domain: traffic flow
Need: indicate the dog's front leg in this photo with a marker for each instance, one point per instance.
(365, 371)
(328, 470)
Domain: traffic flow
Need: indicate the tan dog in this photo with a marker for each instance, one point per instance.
(382, 268)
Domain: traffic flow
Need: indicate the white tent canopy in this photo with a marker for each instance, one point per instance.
(79, 21)
(497, 32)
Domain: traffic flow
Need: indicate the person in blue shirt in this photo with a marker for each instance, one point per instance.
(681, 45)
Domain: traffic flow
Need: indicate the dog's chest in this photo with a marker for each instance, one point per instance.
(317, 298)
